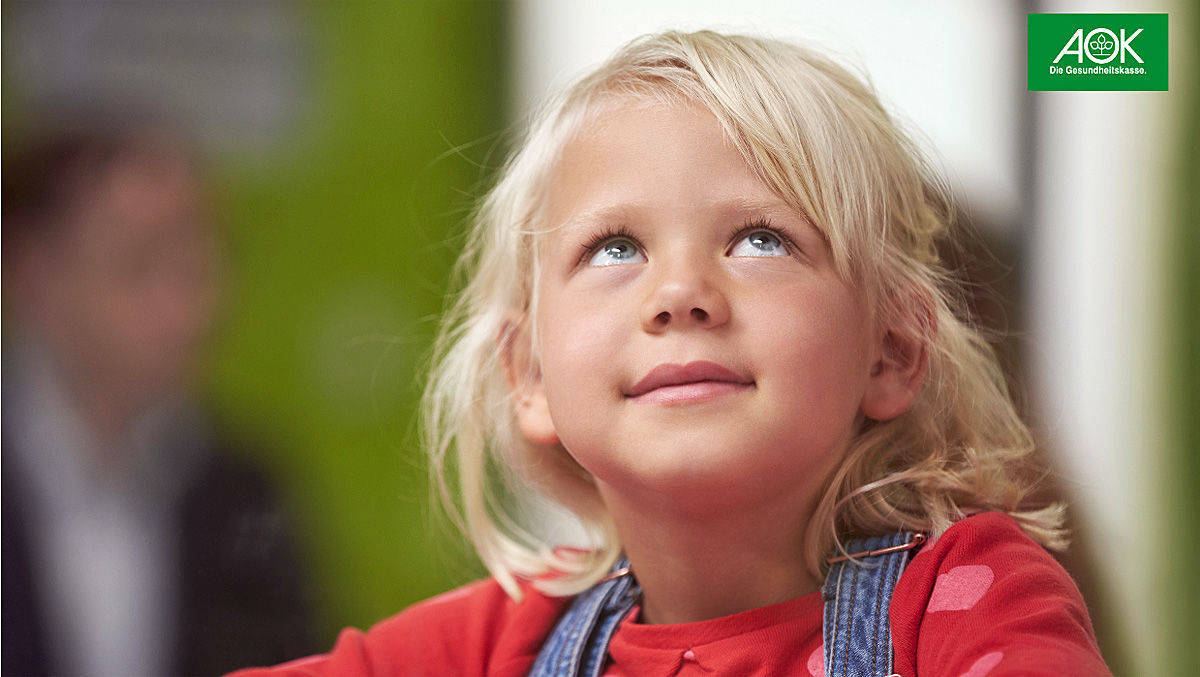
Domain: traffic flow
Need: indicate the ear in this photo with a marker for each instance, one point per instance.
(525, 382)
(901, 363)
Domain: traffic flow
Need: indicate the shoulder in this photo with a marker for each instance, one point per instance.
(990, 538)
(974, 558)
(223, 466)
(474, 629)
(989, 554)
(986, 592)
(468, 617)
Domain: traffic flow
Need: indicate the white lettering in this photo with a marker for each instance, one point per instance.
(1078, 51)
(1126, 47)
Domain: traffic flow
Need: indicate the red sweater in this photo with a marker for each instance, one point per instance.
(983, 600)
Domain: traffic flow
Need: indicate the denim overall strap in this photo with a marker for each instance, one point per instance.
(578, 644)
(858, 594)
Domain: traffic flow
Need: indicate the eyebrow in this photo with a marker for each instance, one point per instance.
(624, 211)
(599, 215)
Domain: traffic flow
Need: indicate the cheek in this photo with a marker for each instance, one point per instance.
(578, 350)
(813, 343)
(583, 369)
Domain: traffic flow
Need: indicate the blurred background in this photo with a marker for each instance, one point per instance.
(310, 167)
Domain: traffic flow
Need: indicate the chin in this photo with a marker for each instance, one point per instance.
(705, 476)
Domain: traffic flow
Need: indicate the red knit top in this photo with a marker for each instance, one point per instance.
(983, 600)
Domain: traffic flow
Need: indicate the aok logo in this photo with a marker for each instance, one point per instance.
(1100, 46)
(1096, 52)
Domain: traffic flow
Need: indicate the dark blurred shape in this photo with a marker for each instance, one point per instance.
(235, 73)
(136, 540)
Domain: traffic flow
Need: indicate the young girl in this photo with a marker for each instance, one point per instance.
(705, 317)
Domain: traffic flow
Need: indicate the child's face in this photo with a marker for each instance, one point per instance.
(704, 275)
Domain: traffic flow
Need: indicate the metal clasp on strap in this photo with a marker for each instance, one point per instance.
(623, 571)
(916, 541)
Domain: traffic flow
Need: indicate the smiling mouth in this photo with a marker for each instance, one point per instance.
(691, 383)
(690, 393)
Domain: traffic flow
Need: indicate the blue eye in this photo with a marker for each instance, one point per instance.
(617, 246)
(615, 253)
(761, 243)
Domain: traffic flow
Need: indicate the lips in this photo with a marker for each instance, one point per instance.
(693, 372)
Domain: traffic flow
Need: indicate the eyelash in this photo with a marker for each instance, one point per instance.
(621, 232)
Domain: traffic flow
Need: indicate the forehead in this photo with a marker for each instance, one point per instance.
(648, 154)
(630, 161)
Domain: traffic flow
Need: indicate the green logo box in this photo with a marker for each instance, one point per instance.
(1097, 52)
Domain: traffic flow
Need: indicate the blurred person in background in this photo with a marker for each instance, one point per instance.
(135, 541)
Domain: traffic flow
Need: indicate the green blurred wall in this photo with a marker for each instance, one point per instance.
(1180, 591)
(338, 255)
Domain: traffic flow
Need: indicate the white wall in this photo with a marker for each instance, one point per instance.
(915, 53)
(1099, 308)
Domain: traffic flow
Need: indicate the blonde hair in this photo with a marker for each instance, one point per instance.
(819, 138)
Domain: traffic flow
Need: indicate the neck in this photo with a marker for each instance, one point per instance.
(107, 404)
(110, 418)
(698, 567)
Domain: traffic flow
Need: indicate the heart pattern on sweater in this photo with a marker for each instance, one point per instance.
(960, 588)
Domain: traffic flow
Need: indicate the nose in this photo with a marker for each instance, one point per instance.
(684, 296)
